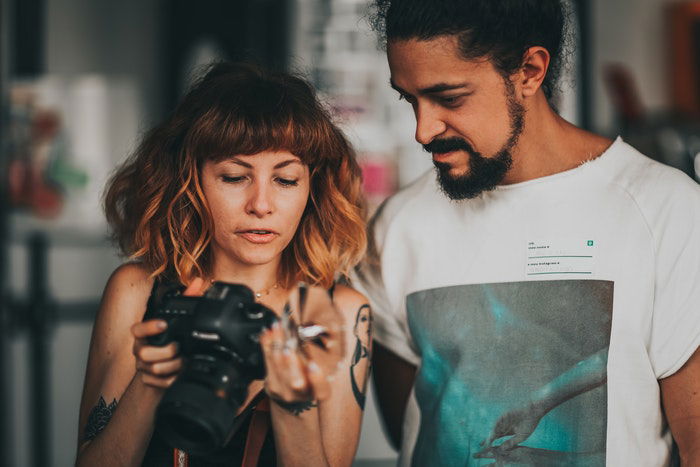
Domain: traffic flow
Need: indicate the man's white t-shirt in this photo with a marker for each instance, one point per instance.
(541, 314)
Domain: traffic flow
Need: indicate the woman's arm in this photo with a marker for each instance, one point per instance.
(680, 394)
(324, 432)
(114, 391)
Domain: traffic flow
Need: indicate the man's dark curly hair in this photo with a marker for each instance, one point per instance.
(500, 30)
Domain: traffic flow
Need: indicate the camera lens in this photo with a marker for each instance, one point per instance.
(194, 419)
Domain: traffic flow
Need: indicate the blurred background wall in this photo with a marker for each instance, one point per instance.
(80, 80)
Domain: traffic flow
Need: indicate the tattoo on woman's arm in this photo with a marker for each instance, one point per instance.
(363, 350)
(296, 408)
(99, 416)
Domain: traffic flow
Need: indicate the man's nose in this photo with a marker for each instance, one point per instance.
(260, 201)
(428, 124)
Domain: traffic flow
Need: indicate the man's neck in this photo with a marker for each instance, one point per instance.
(549, 145)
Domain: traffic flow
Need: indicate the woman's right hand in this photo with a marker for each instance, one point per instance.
(156, 366)
(159, 366)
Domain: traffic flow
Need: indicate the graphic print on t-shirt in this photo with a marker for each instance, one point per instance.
(512, 373)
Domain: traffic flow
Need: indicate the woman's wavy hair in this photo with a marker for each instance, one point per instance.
(155, 204)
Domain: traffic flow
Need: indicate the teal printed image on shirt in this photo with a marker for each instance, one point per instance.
(512, 374)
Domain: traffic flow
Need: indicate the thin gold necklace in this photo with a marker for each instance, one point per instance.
(265, 292)
(259, 293)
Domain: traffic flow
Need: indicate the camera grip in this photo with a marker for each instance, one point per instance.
(163, 338)
(159, 340)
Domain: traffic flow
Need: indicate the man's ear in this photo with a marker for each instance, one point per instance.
(534, 69)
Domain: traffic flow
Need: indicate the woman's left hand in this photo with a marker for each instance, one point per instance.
(290, 377)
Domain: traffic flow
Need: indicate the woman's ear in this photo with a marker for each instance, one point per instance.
(533, 70)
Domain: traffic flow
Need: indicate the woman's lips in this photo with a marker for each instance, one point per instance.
(257, 236)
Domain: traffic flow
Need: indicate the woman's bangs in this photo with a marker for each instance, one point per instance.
(220, 135)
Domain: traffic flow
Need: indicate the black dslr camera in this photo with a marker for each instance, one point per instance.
(218, 338)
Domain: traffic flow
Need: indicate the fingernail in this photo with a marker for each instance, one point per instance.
(298, 383)
(162, 324)
(313, 366)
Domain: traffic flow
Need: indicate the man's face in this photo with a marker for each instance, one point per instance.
(467, 114)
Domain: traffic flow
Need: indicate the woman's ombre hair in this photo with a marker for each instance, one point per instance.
(155, 204)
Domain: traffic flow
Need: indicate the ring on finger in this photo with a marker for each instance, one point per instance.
(275, 346)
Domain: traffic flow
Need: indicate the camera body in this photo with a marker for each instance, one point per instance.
(217, 335)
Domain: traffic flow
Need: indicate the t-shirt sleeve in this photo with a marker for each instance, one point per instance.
(675, 333)
(390, 326)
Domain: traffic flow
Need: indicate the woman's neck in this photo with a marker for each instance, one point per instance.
(260, 278)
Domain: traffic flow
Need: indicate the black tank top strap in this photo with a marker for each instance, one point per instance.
(161, 287)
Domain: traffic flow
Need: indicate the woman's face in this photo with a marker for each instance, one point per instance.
(256, 202)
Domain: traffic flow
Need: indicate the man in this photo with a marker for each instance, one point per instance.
(540, 296)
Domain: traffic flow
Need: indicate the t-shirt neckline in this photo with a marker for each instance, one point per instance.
(585, 166)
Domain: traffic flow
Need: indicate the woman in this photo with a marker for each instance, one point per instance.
(247, 182)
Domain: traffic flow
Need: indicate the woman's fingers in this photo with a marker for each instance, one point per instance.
(157, 381)
(288, 377)
(158, 365)
(148, 328)
(161, 369)
(151, 353)
(319, 382)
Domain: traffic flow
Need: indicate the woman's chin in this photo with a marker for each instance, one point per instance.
(259, 259)
(247, 255)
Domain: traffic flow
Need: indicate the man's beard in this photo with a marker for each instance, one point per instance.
(485, 173)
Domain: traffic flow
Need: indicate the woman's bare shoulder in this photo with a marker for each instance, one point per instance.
(125, 297)
(348, 300)
(131, 275)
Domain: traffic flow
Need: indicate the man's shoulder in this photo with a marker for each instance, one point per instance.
(652, 183)
(667, 199)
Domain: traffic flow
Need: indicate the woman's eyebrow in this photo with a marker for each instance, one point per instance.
(287, 162)
(236, 160)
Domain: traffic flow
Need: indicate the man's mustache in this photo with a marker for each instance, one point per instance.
(441, 146)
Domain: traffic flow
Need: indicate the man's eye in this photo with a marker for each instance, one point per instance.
(287, 181)
(449, 100)
(405, 97)
(452, 101)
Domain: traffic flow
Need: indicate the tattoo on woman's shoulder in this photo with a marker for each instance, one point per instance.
(363, 349)
(99, 416)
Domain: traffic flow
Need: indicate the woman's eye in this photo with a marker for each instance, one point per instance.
(232, 179)
(287, 181)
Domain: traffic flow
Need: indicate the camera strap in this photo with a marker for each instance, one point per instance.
(257, 432)
(180, 458)
(255, 438)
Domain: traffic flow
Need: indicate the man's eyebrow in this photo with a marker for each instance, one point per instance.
(434, 89)
(442, 87)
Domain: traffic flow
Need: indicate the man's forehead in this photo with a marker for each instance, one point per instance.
(432, 66)
(440, 47)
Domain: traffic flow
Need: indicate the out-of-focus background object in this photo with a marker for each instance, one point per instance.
(80, 80)
(669, 133)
